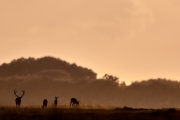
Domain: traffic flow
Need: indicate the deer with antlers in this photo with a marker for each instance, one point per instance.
(45, 102)
(55, 101)
(18, 99)
(74, 102)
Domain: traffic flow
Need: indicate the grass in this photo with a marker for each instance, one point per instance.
(85, 113)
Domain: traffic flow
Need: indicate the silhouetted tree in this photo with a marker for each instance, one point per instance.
(111, 78)
(50, 66)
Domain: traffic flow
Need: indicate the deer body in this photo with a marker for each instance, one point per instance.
(18, 99)
(74, 102)
(45, 102)
(55, 101)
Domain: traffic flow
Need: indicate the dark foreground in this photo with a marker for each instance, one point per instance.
(29, 113)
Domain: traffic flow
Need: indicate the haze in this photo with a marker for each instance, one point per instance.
(131, 39)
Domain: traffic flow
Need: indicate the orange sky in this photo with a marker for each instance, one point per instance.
(131, 39)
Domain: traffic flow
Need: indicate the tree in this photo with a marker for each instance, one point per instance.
(111, 78)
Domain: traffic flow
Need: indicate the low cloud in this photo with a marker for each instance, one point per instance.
(80, 19)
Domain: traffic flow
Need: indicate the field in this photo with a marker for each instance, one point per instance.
(96, 113)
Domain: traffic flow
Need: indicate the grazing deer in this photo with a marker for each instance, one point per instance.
(18, 99)
(74, 102)
(45, 102)
(55, 101)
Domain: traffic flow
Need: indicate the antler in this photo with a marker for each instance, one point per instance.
(15, 92)
(23, 93)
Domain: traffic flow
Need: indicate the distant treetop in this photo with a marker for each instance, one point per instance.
(49, 66)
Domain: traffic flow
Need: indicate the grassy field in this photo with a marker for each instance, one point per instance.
(99, 113)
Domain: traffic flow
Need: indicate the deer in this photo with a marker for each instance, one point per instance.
(18, 99)
(55, 101)
(45, 102)
(74, 102)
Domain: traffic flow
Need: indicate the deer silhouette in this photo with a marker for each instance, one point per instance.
(55, 101)
(18, 99)
(45, 102)
(74, 102)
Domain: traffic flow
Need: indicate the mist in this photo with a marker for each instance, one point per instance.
(47, 77)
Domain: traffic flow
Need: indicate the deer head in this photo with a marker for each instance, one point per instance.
(15, 91)
(78, 102)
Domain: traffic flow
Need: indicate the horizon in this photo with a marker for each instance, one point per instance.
(98, 77)
(133, 40)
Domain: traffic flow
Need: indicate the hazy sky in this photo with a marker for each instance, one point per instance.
(131, 39)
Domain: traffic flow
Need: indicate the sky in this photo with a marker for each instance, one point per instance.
(132, 39)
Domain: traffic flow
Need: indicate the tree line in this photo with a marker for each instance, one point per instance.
(46, 66)
(108, 90)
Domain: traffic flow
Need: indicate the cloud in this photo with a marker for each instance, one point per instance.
(90, 19)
